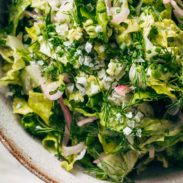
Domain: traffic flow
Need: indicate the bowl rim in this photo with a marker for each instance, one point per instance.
(22, 159)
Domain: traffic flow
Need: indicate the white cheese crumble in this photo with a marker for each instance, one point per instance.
(139, 133)
(62, 29)
(131, 123)
(101, 48)
(70, 88)
(67, 43)
(87, 61)
(40, 62)
(138, 116)
(98, 28)
(79, 52)
(118, 115)
(129, 115)
(81, 80)
(88, 47)
(127, 131)
(94, 88)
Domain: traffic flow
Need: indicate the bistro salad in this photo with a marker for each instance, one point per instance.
(99, 82)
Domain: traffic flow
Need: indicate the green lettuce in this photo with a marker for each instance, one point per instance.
(40, 105)
(20, 106)
(51, 144)
(16, 11)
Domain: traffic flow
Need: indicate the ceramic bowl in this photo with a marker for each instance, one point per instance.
(30, 153)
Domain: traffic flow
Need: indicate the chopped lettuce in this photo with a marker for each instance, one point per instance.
(16, 11)
(117, 65)
(20, 106)
(40, 105)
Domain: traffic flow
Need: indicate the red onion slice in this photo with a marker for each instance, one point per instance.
(122, 90)
(68, 119)
(73, 149)
(86, 120)
(45, 90)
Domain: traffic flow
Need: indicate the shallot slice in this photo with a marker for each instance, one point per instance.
(121, 17)
(86, 120)
(45, 90)
(68, 119)
(73, 149)
(122, 90)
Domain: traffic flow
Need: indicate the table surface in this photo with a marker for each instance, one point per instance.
(11, 171)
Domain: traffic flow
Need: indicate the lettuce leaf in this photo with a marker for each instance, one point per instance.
(102, 17)
(16, 11)
(116, 166)
(51, 144)
(20, 106)
(69, 163)
(40, 105)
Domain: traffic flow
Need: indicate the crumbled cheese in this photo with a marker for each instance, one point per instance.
(139, 133)
(101, 74)
(98, 28)
(87, 61)
(76, 98)
(94, 88)
(62, 29)
(118, 115)
(68, 43)
(129, 115)
(138, 116)
(70, 88)
(131, 123)
(81, 80)
(81, 60)
(58, 49)
(127, 131)
(88, 47)
(40, 62)
(101, 48)
(79, 52)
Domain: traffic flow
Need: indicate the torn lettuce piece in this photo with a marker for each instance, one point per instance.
(29, 79)
(51, 144)
(118, 166)
(102, 17)
(123, 31)
(162, 88)
(16, 10)
(40, 105)
(69, 162)
(20, 106)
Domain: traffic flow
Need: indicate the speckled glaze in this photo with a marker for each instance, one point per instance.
(29, 152)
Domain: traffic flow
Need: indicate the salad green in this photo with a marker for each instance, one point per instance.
(99, 82)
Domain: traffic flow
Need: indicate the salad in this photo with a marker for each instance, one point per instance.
(99, 82)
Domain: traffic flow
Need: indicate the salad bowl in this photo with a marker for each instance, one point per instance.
(29, 151)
